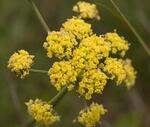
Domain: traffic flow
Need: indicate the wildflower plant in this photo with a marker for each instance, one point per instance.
(86, 62)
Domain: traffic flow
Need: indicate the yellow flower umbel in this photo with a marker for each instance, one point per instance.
(86, 10)
(42, 112)
(93, 81)
(60, 44)
(86, 58)
(114, 68)
(62, 74)
(91, 115)
(130, 73)
(78, 27)
(20, 63)
(118, 44)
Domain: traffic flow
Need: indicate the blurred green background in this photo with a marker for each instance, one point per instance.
(20, 29)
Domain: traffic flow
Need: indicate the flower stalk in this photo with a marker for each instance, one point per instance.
(38, 71)
(39, 16)
(144, 45)
(58, 96)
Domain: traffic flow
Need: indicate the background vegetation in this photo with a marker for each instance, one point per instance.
(20, 28)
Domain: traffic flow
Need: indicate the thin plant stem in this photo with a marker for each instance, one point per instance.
(108, 9)
(39, 16)
(53, 101)
(38, 71)
(144, 45)
(58, 96)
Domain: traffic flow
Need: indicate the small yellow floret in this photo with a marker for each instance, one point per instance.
(60, 44)
(93, 82)
(42, 112)
(130, 73)
(118, 44)
(20, 63)
(86, 10)
(90, 51)
(114, 68)
(96, 44)
(77, 27)
(91, 115)
(62, 74)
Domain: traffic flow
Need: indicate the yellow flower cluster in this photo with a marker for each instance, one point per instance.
(90, 51)
(87, 54)
(60, 44)
(42, 112)
(86, 10)
(118, 44)
(20, 63)
(78, 27)
(130, 73)
(91, 115)
(93, 81)
(62, 74)
(114, 68)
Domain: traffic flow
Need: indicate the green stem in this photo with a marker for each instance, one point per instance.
(40, 17)
(58, 96)
(38, 71)
(144, 45)
(107, 9)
